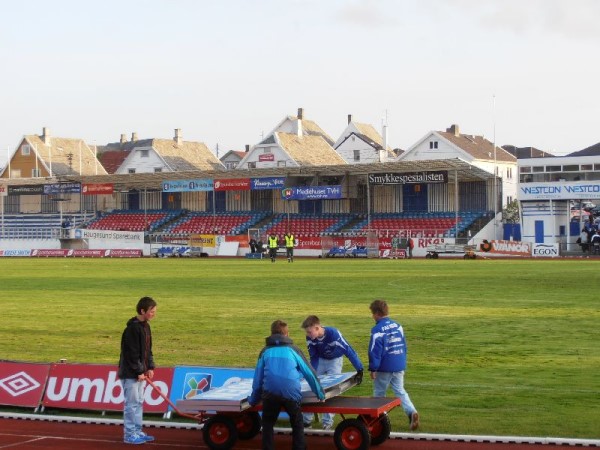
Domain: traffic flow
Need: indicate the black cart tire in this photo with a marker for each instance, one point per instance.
(248, 425)
(380, 430)
(219, 433)
(352, 434)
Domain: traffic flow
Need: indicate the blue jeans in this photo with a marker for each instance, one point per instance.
(396, 380)
(133, 391)
(326, 367)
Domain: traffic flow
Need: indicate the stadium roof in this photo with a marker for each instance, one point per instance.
(462, 169)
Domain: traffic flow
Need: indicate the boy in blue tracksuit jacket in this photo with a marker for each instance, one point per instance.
(280, 367)
(387, 359)
(327, 348)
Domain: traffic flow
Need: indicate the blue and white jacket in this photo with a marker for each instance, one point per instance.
(331, 346)
(280, 367)
(387, 347)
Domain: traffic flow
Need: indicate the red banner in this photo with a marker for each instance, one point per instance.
(50, 252)
(97, 188)
(233, 184)
(96, 387)
(22, 384)
(266, 157)
(126, 253)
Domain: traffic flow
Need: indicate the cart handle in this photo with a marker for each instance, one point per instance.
(197, 417)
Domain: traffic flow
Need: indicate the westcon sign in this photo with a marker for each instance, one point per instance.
(233, 184)
(96, 387)
(22, 384)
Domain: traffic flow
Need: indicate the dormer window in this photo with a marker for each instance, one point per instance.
(25, 150)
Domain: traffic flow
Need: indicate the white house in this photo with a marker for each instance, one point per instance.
(475, 150)
(360, 143)
(294, 142)
(167, 155)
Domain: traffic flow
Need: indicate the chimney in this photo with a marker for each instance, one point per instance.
(247, 148)
(134, 137)
(46, 135)
(123, 138)
(177, 137)
(383, 152)
(349, 118)
(454, 130)
(299, 123)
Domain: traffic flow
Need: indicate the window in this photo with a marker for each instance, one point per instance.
(280, 163)
(25, 150)
(230, 165)
(251, 165)
(131, 170)
(35, 173)
(538, 169)
(587, 167)
(571, 168)
(596, 166)
(509, 173)
(267, 150)
(553, 168)
(144, 153)
(157, 169)
(15, 173)
(525, 169)
(356, 155)
(433, 144)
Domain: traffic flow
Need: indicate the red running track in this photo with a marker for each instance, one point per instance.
(20, 434)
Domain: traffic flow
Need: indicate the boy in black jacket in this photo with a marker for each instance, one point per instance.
(136, 364)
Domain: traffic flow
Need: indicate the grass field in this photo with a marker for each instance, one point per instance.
(495, 347)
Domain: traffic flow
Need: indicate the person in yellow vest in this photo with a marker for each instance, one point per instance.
(289, 246)
(273, 242)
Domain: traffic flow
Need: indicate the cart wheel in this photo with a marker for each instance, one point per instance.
(435, 256)
(248, 425)
(428, 256)
(219, 433)
(380, 430)
(352, 434)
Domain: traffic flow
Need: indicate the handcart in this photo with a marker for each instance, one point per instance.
(223, 425)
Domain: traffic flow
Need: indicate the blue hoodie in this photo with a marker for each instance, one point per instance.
(280, 367)
(387, 347)
(331, 346)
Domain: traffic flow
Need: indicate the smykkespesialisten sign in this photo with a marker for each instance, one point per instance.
(409, 177)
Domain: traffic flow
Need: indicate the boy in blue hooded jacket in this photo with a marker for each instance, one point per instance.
(280, 368)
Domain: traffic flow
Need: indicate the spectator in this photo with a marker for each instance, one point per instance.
(280, 367)
(253, 245)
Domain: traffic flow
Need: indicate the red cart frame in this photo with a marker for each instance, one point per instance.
(222, 429)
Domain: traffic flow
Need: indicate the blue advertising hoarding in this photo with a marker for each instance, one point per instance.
(62, 188)
(190, 381)
(203, 184)
(267, 183)
(312, 193)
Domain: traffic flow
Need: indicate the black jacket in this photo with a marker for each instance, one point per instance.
(136, 352)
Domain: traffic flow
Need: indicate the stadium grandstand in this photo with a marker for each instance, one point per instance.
(456, 206)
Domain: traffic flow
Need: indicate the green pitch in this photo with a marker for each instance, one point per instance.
(495, 347)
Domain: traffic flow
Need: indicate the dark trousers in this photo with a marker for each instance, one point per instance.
(271, 408)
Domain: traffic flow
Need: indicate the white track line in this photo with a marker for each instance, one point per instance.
(399, 436)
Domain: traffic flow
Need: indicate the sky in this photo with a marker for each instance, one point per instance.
(519, 72)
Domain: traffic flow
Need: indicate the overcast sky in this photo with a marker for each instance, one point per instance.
(227, 71)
